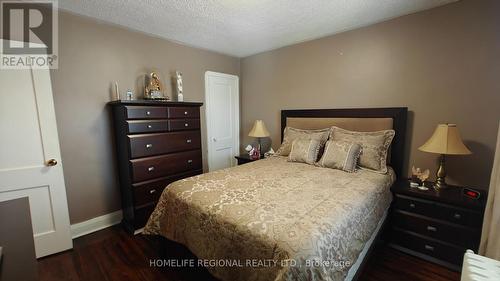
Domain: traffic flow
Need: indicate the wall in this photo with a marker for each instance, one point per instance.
(443, 64)
(91, 56)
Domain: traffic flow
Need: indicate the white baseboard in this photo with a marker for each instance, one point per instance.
(139, 231)
(95, 224)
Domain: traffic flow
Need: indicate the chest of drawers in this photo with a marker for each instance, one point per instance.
(157, 143)
(435, 225)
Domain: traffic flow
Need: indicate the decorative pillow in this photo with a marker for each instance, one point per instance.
(340, 155)
(304, 150)
(374, 145)
(290, 134)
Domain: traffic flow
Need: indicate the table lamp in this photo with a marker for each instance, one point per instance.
(259, 131)
(445, 141)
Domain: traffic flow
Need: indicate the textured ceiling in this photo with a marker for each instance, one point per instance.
(245, 27)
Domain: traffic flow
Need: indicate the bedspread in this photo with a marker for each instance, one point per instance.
(274, 220)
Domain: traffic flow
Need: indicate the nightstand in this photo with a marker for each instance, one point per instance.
(437, 226)
(244, 158)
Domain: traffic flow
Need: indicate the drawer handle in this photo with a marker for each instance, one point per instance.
(149, 126)
(432, 228)
(150, 169)
(190, 161)
(185, 113)
(152, 191)
(186, 124)
(412, 205)
(148, 112)
(429, 248)
(149, 145)
(188, 141)
(457, 216)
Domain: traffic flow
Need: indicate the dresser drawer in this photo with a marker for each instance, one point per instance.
(184, 124)
(146, 112)
(428, 246)
(147, 126)
(460, 216)
(160, 166)
(154, 144)
(436, 229)
(150, 191)
(183, 112)
(439, 211)
(417, 206)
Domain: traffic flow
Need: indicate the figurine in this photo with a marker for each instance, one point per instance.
(178, 84)
(153, 88)
(421, 176)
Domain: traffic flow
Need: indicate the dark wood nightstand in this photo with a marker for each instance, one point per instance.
(244, 158)
(437, 226)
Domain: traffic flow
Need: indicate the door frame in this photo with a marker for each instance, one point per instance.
(236, 106)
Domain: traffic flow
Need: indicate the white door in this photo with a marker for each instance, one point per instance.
(28, 142)
(223, 119)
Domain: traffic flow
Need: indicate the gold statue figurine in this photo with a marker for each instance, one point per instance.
(153, 88)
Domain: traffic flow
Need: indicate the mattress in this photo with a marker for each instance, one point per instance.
(274, 220)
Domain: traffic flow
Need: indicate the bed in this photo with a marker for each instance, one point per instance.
(276, 220)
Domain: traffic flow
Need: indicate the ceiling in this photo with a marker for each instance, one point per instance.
(245, 27)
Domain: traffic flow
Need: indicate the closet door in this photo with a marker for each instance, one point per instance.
(223, 123)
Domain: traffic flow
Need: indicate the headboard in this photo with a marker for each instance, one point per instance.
(356, 119)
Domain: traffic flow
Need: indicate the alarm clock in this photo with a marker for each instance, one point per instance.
(471, 193)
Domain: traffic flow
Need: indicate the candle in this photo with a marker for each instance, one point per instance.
(117, 93)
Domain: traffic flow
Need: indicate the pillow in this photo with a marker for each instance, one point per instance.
(290, 134)
(340, 155)
(304, 150)
(374, 144)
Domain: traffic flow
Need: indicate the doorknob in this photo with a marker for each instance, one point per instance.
(214, 139)
(51, 162)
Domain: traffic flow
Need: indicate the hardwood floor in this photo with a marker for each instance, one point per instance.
(388, 264)
(112, 254)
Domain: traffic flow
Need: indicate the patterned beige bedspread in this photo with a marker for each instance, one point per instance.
(274, 220)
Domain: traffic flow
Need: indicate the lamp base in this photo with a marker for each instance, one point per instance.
(440, 184)
(441, 175)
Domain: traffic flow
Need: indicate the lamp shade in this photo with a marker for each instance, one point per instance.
(445, 140)
(259, 130)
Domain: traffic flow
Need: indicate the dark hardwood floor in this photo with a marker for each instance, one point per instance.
(112, 254)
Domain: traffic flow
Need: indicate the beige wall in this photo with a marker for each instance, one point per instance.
(443, 64)
(91, 56)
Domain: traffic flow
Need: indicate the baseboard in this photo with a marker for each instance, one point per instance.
(95, 224)
(139, 231)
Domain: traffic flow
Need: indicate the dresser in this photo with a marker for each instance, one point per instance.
(156, 143)
(435, 225)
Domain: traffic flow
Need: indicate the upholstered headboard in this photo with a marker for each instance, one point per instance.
(355, 119)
